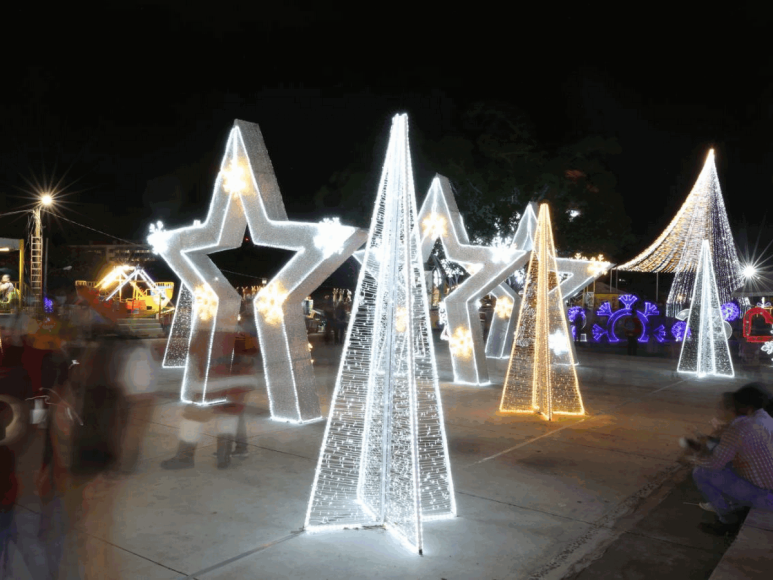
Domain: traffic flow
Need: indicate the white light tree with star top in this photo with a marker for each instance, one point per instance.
(247, 194)
(384, 457)
(541, 376)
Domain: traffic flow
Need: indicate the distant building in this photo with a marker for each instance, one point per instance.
(117, 253)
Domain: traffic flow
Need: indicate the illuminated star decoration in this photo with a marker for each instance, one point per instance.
(575, 274)
(678, 248)
(705, 351)
(541, 376)
(246, 194)
(500, 335)
(488, 267)
(384, 456)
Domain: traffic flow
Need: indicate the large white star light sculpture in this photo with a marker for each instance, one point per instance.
(247, 194)
(439, 219)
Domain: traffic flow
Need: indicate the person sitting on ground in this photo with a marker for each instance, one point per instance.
(739, 471)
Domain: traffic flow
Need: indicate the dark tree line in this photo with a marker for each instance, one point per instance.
(497, 165)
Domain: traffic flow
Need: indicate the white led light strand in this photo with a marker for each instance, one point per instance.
(678, 248)
(705, 350)
(541, 377)
(180, 332)
(247, 194)
(384, 456)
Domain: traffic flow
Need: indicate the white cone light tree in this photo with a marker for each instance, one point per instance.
(384, 457)
(705, 350)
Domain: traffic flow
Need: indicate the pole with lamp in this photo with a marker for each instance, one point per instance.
(36, 252)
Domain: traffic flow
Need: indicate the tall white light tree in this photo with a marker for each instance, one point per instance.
(677, 250)
(705, 350)
(541, 376)
(384, 456)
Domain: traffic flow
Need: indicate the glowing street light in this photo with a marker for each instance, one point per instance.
(46, 199)
(749, 272)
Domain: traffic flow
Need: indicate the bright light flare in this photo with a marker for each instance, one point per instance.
(434, 226)
(234, 179)
(504, 307)
(332, 236)
(749, 272)
(269, 303)
(205, 302)
(460, 343)
(46, 200)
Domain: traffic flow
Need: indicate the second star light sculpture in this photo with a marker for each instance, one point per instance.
(247, 194)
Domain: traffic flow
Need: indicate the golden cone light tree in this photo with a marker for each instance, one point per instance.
(541, 377)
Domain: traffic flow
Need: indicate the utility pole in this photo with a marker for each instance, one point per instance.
(36, 261)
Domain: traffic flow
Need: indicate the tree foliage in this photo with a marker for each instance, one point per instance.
(496, 166)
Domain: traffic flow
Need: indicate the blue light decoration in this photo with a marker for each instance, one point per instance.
(677, 330)
(576, 316)
(48, 305)
(628, 300)
(730, 311)
(660, 334)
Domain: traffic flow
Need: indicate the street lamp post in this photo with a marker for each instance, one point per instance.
(36, 253)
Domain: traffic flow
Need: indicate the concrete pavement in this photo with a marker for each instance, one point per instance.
(536, 499)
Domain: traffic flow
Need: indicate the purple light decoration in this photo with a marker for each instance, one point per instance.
(574, 312)
(48, 305)
(730, 311)
(604, 310)
(650, 309)
(628, 300)
(660, 334)
(598, 332)
(677, 330)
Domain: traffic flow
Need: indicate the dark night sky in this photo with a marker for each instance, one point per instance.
(115, 102)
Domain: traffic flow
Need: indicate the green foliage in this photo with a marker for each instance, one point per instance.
(497, 166)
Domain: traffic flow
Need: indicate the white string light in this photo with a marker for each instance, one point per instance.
(246, 194)
(384, 456)
(678, 248)
(179, 334)
(705, 350)
(541, 376)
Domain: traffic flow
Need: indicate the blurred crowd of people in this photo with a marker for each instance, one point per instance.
(74, 409)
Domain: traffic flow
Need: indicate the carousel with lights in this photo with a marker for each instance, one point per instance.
(127, 291)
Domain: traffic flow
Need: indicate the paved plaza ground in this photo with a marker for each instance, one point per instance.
(594, 497)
